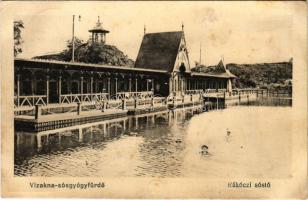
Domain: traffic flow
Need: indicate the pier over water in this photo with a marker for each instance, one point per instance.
(53, 116)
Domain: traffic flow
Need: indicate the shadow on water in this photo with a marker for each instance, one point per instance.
(157, 145)
(155, 129)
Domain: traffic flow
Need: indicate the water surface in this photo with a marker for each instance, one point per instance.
(165, 144)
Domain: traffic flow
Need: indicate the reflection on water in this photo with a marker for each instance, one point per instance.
(164, 144)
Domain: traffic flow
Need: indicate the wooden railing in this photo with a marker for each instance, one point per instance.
(246, 91)
(77, 98)
(30, 100)
(134, 95)
(185, 98)
(193, 91)
(210, 91)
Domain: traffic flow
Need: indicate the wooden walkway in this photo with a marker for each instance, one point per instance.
(55, 121)
(55, 116)
(66, 116)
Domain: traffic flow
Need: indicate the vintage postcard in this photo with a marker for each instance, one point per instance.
(124, 99)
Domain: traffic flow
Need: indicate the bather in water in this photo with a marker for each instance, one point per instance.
(204, 150)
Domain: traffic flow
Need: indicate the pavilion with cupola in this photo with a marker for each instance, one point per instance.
(98, 33)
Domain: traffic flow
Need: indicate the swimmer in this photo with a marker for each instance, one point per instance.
(228, 132)
(204, 150)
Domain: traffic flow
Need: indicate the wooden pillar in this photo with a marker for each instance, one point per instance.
(96, 86)
(130, 85)
(47, 90)
(59, 89)
(39, 141)
(18, 90)
(80, 135)
(217, 102)
(130, 123)
(198, 85)
(182, 84)
(32, 86)
(79, 108)
(175, 85)
(136, 122)
(136, 86)
(116, 85)
(204, 85)
(147, 84)
(124, 104)
(91, 85)
(69, 85)
(136, 103)
(104, 107)
(153, 85)
(81, 89)
(104, 87)
(170, 85)
(108, 86)
(152, 102)
(37, 111)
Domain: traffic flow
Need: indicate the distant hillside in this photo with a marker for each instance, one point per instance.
(262, 75)
(93, 53)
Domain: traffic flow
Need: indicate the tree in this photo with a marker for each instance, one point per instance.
(18, 25)
(92, 53)
(78, 42)
(67, 53)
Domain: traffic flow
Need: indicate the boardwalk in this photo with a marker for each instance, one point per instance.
(54, 116)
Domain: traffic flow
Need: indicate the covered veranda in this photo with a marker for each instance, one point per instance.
(49, 82)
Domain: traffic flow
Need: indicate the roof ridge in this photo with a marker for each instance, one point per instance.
(163, 32)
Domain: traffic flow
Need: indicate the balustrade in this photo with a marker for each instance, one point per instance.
(89, 97)
(36, 105)
(30, 100)
(134, 95)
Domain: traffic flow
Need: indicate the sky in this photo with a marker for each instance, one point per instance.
(238, 32)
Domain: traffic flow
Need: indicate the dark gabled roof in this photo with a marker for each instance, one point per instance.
(159, 50)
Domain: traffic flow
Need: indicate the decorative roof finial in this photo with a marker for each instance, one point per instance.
(98, 21)
(182, 26)
(144, 30)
